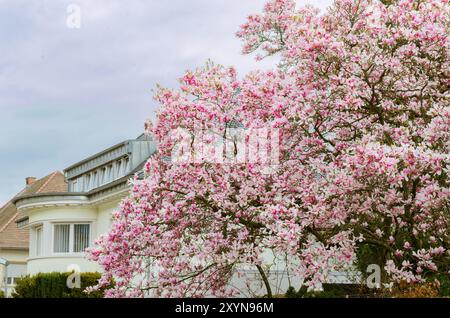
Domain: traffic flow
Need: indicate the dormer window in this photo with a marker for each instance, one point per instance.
(39, 235)
(88, 182)
(127, 163)
(109, 172)
(75, 186)
(94, 180)
(101, 177)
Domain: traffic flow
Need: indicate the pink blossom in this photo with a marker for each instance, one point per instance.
(360, 100)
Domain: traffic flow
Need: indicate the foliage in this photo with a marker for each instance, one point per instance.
(423, 290)
(401, 290)
(444, 285)
(332, 291)
(359, 110)
(54, 285)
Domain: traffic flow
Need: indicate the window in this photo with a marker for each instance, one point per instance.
(71, 238)
(109, 172)
(94, 180)
(12, 280)
(118, 169)
(102, 176)
(61, 238)
(81, 237)
(75, 186)
(39, 241)
(16, 271)
(127, 164)
(87, 185)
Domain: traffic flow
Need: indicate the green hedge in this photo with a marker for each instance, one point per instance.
(54, 285)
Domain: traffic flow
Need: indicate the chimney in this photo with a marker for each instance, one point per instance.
(30, 180)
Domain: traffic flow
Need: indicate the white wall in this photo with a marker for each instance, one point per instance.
(104, 216)
(60, 264)
(98, 216)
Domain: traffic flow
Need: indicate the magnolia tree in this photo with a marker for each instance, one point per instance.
(337, 157)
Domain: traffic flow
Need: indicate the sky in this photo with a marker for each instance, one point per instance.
(67, 93)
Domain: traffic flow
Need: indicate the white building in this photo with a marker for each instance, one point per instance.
(63, 224)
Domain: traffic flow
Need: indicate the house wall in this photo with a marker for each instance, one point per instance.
(17, 267)
(104, 216)
(98, 216)
(95, 190)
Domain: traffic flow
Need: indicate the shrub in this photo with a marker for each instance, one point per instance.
(2, 294)
(332, 291)
(438, 288)
(424, 290)
(54, 285)
(444, 285)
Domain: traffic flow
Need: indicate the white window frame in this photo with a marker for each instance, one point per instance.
(71, 237)
(126, 165)
(38, 248)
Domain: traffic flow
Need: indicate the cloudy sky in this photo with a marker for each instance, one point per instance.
(67, 93)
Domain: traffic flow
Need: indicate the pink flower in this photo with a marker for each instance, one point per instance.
(398, 253)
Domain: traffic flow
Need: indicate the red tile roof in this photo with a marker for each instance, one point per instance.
(11, 237)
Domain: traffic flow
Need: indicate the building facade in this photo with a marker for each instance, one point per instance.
(14, 241)
(62, 225)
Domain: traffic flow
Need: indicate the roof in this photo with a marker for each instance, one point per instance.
(11, 237)
(124, 180)
(141, 137)
(97, 155)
